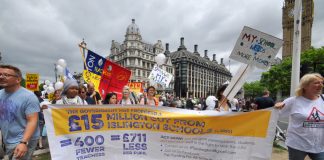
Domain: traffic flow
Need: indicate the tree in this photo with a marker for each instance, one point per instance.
(278, 76)
(41, 86)
(253, 89)
(23, 82)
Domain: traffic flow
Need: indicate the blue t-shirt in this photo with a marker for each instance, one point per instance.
(13, 110)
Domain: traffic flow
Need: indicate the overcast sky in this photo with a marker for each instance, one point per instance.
(35, 34)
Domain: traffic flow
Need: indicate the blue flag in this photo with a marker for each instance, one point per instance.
(68, 74)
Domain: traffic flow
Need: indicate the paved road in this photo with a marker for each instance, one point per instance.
(283, 123)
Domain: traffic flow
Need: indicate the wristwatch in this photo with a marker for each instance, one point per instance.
(23, 142)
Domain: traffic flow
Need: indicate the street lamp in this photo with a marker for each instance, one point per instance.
(178, 79)
(0, 58)
(55, 71)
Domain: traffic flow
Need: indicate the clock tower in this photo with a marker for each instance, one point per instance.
(288, 26)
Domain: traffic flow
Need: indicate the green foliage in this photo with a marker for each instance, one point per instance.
(253, 89)
(23, 82)
(41, 86)
(278, 77)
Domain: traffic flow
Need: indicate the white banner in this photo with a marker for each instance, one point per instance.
(150, 133)
(160, 76)
(256, 48)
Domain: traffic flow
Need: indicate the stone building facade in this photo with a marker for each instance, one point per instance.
(288, 25)
(139, 57)
(193, 75)
(197, 76)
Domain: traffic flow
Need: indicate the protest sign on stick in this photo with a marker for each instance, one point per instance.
(160, 76)
(32, 81)
(254, 49)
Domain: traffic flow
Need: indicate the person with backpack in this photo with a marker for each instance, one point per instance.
(150, 99)
(126, 100)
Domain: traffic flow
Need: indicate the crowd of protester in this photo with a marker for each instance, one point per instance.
(73, 93)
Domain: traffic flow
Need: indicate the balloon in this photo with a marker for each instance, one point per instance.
(50, 90)
(160, 59)
(211, 102)
(47, 82)
(45, 87)
(61, 62)
(58, 85)
(59, 69)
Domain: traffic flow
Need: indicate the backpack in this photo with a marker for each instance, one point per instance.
(120, 102)
(145, 101)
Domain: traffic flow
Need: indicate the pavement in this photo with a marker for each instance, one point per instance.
(283, 124)
(36, 152)
(41, 151)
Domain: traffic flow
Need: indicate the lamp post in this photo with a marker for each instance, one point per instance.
(178, 84)
(55, 71)
(0, 58)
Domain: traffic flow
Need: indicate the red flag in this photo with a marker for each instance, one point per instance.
(113, 79)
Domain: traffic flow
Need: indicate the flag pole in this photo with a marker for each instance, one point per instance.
(82, 54)
(295, 72)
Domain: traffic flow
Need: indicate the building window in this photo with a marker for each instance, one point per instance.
(132, 62)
